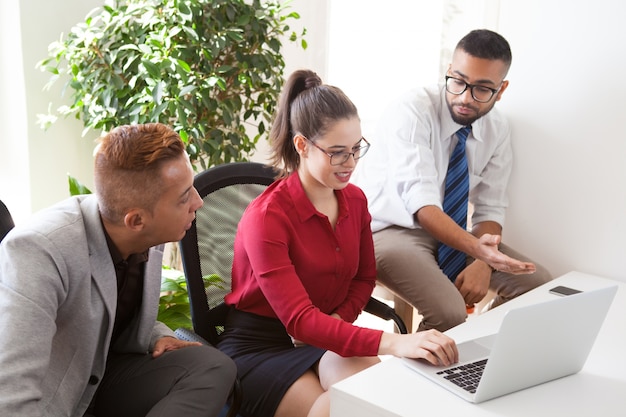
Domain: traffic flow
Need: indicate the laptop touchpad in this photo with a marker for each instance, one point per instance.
(475, 349)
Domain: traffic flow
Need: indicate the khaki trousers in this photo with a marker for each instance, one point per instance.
(406, 260)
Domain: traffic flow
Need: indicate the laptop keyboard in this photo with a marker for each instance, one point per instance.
(465, 376)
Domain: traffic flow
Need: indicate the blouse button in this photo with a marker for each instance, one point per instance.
(337, 249)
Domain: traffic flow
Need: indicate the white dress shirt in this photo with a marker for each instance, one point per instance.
(406, 166)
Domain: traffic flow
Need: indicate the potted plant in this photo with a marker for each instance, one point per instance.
(208, 68)
(174, 309)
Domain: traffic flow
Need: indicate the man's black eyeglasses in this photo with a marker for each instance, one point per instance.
(480, 93)
(338, 158)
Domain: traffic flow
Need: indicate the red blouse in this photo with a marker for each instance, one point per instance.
(290, 264)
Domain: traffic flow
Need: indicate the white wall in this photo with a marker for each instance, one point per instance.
(33, 173)
(566, 103)
(313, 17)
(375, 51)
(14, 166)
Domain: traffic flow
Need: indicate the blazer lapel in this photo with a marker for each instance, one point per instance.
(151, 293)
(102, 269)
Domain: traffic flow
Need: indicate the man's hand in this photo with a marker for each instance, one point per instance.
(487, 251)
(473, 282)
(167, 343)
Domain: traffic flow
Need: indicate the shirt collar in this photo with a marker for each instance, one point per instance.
(116, 256)
(449, 126)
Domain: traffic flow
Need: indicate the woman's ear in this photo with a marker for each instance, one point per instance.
(299, 142)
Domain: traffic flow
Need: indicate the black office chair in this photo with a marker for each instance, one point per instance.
(6, 221)
(207, 248)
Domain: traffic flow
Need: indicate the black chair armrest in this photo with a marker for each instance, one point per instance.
(382, 310)
(189, 336)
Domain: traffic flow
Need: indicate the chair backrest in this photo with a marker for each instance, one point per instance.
(6, 221)
(207, 248)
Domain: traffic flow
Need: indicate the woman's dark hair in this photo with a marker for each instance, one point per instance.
(309, 108)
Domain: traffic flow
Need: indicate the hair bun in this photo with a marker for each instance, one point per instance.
(312, 80)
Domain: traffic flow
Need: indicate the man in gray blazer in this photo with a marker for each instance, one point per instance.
(79, 293)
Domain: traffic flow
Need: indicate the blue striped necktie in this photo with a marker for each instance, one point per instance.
(455, 202)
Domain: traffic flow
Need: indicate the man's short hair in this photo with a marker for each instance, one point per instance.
(486, 44)
(128, 163)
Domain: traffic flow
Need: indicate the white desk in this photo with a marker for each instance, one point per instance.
(599, 390)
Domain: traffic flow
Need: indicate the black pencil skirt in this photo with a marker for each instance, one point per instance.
(267, 361)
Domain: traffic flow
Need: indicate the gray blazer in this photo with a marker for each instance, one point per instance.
(58, 295)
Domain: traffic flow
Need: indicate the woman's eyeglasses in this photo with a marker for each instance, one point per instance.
(338, 158)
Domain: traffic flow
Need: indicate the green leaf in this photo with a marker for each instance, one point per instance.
(117, 81)
(235, 36)
(173, 319)
(152, 68)
(275, 44)
(135, 110)
(191, 33)
(128, 46)
(184, 8)
(76, 188)
(243, 20)
(223, 69)
(183, 65)
(187, 90)
(170, 285)
(183, 135)
(157, 111)
(157, 92)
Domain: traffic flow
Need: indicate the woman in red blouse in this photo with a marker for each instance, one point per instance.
(304, 265)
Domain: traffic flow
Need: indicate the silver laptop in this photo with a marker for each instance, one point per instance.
(535, 344)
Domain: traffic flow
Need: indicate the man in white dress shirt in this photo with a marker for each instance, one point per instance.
(404, 179)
